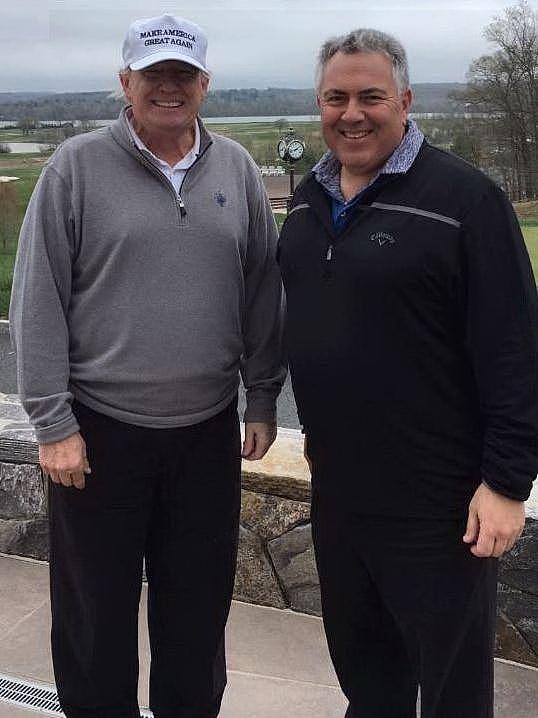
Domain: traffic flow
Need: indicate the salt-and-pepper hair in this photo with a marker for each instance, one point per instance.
(366, 40)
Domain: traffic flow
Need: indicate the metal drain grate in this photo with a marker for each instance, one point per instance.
(29, 695)
(36, 697)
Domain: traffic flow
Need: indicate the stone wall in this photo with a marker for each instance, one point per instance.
(517, 609)
(276, 565)
(23, 504)
(23, 511)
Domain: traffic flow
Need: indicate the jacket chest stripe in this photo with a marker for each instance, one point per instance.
(415, 210)
(298, 207)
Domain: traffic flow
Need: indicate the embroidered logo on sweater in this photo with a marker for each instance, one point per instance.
(220, 198)
(382, 238)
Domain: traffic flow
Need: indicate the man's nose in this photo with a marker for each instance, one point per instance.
(354, 110)
(170, 83)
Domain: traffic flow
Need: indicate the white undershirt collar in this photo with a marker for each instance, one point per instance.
(176, 173)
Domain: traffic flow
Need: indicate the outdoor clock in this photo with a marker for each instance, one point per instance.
(295, 150)
(290, 148)
(282, 149)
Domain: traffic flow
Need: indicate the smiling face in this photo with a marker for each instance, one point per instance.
(165, 97)
(363, 114)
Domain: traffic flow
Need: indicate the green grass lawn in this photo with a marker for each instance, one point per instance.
(530, 233)
(261, 140)
(25, 186)
(43, 134)
(14, 135)
(27, 169)
(280, 217)
(7, 262)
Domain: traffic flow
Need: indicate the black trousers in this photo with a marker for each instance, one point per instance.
(173, 497)
(405, 604)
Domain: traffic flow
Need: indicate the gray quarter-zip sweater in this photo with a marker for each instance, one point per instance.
(142, 303)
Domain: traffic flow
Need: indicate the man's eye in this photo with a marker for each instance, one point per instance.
(372, 98)
(334, 99)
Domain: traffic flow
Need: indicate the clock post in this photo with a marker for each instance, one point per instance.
(290, 149)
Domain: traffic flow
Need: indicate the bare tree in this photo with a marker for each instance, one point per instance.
(26, 124)
(8, 216)
(505, 85)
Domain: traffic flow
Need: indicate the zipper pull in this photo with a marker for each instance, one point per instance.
(182, 210)
(329, 253)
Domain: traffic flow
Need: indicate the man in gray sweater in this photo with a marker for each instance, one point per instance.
(145, 282)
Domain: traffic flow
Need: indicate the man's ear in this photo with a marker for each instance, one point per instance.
(124, 79)
(407, 99)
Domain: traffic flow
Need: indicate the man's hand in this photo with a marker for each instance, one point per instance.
(65, 461)
(495, 522)
(258, 438)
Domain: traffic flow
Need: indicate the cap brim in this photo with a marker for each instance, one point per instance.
(162, 55)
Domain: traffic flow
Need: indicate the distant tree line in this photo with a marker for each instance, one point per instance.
(504, 85)
(429, 97)
(60, 107)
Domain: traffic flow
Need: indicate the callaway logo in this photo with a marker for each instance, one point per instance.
(382, 238)
(221, 198)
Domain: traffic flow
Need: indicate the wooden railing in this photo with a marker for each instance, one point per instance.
(279, 202)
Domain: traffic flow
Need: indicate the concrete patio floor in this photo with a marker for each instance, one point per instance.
(278, 662)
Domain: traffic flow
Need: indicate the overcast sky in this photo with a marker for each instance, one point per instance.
(74, 45)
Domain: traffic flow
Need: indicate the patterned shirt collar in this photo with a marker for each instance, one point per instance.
(327, 170)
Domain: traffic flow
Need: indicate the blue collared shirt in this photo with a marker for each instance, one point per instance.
(327, 172)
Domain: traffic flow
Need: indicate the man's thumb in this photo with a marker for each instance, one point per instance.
(471, 532)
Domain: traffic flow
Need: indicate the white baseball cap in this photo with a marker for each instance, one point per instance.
(166, 37)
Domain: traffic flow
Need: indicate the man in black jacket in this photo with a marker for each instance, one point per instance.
(412, 342)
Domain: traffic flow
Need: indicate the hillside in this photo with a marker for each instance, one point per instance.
(15, 106)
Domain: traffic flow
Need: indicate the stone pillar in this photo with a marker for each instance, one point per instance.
(276, 565)
(23, 506)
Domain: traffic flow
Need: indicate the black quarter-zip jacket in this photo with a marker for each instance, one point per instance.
(412, 339)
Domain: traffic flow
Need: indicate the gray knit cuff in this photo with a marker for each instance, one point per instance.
(62, 430)
(261, 406)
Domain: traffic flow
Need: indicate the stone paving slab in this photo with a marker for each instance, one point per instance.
(10, 711)
(516, 691)
(278, 660)
(25, 652)
(253, 696)
(24, 587)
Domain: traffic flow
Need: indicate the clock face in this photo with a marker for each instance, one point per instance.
(282, 148)
(295, 150)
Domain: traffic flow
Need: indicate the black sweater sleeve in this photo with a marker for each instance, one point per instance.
(502, 340)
